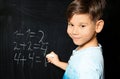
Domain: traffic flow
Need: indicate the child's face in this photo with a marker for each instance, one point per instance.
(81, 29)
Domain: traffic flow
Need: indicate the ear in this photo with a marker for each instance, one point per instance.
(99, 26)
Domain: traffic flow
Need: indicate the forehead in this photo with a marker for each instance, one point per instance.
(80, 18)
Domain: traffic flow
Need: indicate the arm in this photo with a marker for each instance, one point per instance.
(53, 58)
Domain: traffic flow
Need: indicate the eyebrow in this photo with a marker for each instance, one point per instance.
(78, 23)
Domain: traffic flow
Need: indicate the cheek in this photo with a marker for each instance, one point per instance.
(90, 31)
(68, 31)
(90, 34)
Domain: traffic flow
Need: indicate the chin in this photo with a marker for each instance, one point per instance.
(76, 43)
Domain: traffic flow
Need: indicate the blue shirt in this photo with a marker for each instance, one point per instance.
(85, 64)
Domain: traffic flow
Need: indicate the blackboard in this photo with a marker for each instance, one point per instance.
(29, 30)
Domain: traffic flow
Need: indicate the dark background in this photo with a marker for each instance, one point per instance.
(23, 22)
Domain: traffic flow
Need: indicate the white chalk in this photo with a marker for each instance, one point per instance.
(50, 55)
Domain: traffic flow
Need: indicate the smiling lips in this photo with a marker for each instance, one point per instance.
(75, 37)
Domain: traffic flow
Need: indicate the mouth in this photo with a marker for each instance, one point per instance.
(74, 37)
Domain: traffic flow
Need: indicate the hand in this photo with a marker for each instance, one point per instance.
(52, 58)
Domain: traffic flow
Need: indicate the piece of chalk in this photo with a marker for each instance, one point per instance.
(50, 55)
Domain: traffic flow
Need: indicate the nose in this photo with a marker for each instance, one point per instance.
(75, 30)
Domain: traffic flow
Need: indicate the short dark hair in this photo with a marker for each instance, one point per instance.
(93, 7)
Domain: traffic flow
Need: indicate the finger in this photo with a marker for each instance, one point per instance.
(49, 56)
(52, 53)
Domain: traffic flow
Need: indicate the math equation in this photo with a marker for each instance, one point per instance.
(29, 47)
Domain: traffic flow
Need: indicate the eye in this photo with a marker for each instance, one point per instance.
(69, 24)
(82, 26)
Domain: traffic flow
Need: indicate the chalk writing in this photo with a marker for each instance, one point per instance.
(29, 47)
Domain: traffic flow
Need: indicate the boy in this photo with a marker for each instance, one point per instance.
(84, 23)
